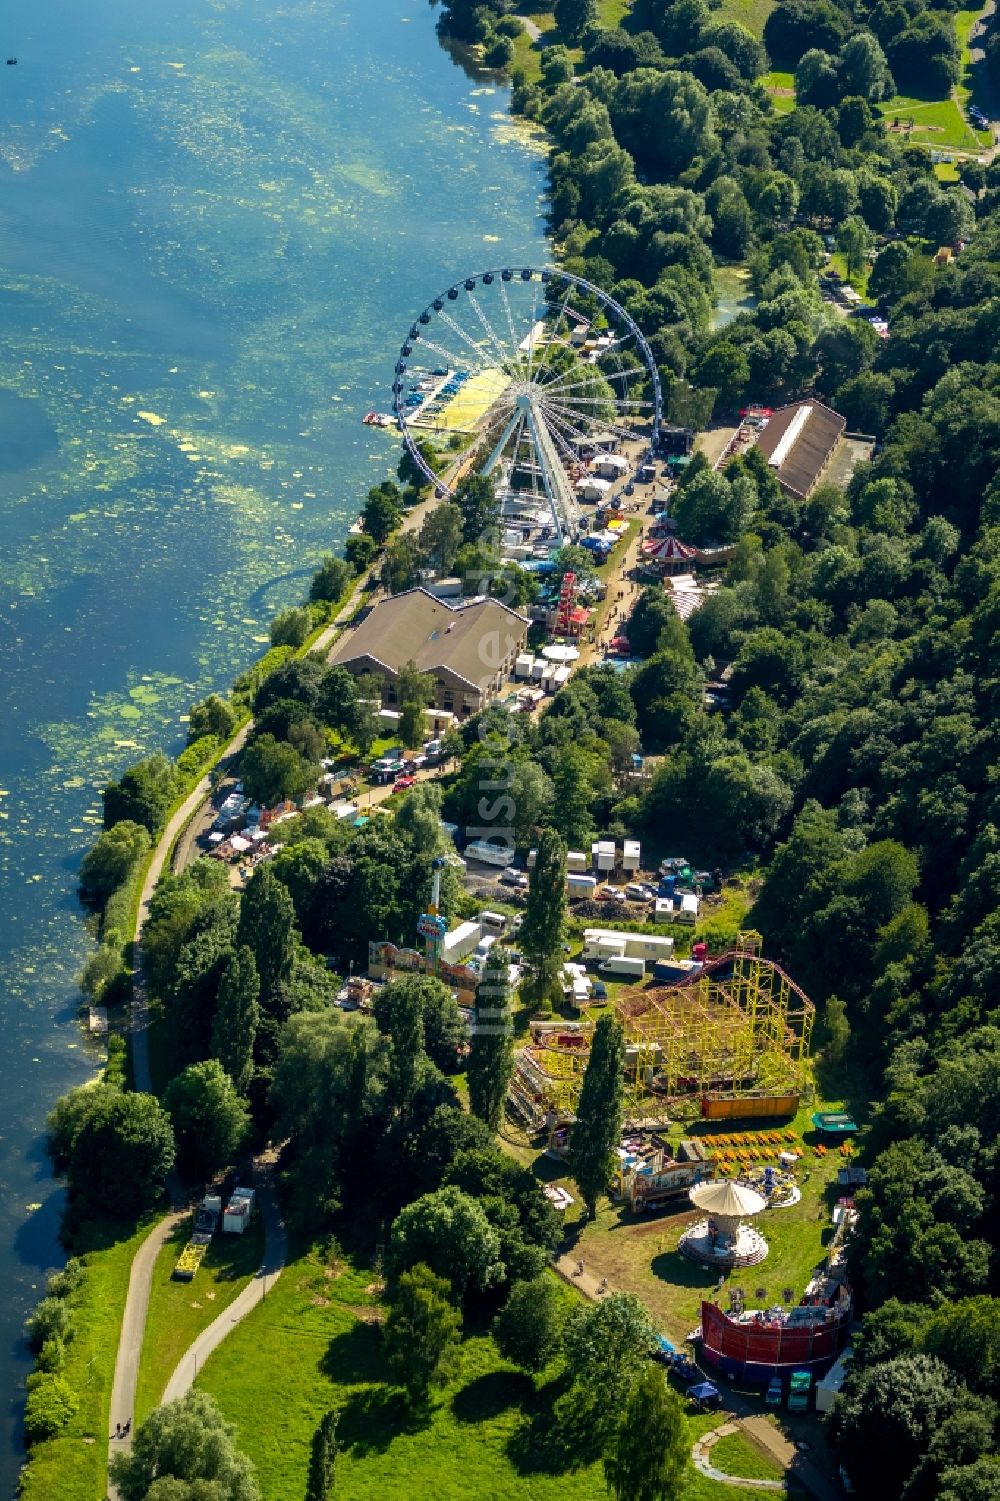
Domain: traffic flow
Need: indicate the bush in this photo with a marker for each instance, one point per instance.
(195, 757)
(50, 1405)
(330, 580)
(290, 628)
(528, 1330)
(61, 1284)
(114, 1069)
(108, 862)
(213, 717)
(52, 1355)
(100, 970)
(246, 685)
(50, 1320)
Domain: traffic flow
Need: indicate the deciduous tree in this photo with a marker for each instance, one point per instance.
(598, 1127)
(237, 1014)
(421, 1331)
(544, 928)
(188, 1441)
(648, 1453)
(491, 1059)
(210, 1120)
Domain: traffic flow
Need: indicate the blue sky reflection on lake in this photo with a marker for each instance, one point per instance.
(217, 221)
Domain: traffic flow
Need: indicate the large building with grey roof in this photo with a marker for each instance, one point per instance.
(468, 647)
(799, 444)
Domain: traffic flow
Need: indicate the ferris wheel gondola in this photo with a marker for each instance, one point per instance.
(524, 374)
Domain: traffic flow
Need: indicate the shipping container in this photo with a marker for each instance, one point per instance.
(728, 1108)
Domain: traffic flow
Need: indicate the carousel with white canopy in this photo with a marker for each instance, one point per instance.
(723, 1238)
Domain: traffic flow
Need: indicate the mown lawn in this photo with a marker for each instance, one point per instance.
(179, 1311)
(750, 13)
(527, 54)
(73, 1466)
(736, 1455)
(936, 123)
(859, 281)
(641, 1256)
(308, 1348)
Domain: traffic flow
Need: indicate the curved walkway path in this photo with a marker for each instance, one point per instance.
(133, 1324)
(275, 1247)
(701, 1454)
(137, 1305)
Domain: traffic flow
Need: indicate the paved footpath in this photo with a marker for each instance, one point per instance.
(137, 1305)
(275, 1247)
(759, 1429)
(133, 1327)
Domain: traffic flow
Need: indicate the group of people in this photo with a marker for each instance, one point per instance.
(122, 1430)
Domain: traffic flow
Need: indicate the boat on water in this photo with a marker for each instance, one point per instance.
(377, 419)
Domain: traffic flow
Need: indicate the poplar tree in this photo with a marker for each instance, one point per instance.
(491, 1059)
(323, 1461)
(598, 1127)
(405, 1025)
(544, 928)
(267, 927)
(234, 1030)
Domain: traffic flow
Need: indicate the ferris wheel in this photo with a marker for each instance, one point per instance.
(526, 375)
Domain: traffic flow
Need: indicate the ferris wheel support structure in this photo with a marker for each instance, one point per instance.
(527, 393)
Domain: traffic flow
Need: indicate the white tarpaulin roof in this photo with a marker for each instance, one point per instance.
(560, 653)
(727, 1199)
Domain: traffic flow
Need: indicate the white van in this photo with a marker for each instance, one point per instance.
(621, 968)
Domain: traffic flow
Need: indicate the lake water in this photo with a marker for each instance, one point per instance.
(217, 220)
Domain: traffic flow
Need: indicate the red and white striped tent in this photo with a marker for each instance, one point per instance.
(668, 553)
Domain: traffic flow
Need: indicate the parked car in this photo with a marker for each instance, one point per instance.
(403, 784)
(514, 878)
(774, 1393)
(638, 891)
(598, 991)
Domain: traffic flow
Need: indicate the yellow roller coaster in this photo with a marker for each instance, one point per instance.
(738, 1029)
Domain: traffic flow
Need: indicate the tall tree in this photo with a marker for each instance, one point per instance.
(491, 1059)
(323, 1460)
(544, 928)
(209, 1118)
(647, 1455)
(403, 1020)
(415, 692)
(598, 1128)
(383, 511)
(121, 1152)
(421, 1331)
(267, 928)
(480, 509)
(607, 1347)
(573, 792)
(236, 1016)
(528, 1329)
(573, 17)
(188, 1441)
